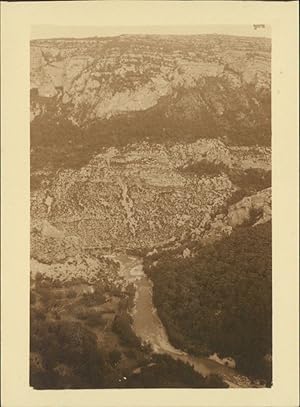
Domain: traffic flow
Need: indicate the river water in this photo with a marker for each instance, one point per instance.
(149, 328)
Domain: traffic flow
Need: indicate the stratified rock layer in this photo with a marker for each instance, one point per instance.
(222, 80)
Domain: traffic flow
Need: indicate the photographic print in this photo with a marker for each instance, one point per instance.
(150, 207)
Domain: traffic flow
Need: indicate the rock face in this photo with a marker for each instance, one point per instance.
(256, 206)
(223, 80)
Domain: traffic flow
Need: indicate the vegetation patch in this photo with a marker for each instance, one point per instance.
(225, 296)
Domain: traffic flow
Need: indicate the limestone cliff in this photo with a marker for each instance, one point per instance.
(222, 80)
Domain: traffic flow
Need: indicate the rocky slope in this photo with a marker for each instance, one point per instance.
(142, 196)
(138, 140)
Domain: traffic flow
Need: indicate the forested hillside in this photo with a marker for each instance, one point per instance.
(220, 299)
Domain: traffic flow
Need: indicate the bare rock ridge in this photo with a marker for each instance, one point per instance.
(213, 78)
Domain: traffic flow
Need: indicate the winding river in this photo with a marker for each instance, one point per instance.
(149, 328)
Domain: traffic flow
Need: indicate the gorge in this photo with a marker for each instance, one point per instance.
(150, 172)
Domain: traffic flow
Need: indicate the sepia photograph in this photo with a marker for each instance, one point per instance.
(150, 207)
(149, 204)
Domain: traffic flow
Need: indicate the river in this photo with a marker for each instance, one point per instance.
(149, 328)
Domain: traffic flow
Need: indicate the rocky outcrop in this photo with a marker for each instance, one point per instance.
(255, 209)
(249, 211)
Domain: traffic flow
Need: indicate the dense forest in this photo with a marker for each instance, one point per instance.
(220, 300)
